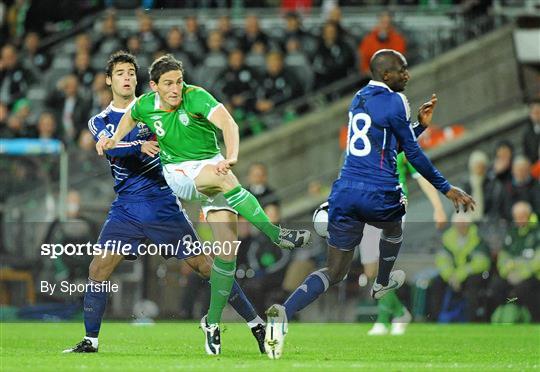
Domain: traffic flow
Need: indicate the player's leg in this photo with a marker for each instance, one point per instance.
(245, 203)
(237, 299)
(95, 301)
(122, 229)
(389, 245)
(318, 282)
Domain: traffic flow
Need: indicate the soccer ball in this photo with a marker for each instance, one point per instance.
(320, 220)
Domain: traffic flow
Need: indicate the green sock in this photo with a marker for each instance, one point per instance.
(396, 305)
(221, 281)
(385, 309)
(248, 207)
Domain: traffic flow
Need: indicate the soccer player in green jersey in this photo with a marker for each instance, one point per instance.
(390, 308)
(186, 120)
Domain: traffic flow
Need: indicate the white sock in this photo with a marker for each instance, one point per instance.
(93, 340)
(255, 322)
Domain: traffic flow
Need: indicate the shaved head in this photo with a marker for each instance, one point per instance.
(385, 60)
(390, 67)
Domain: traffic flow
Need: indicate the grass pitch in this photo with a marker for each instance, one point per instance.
(179, 346)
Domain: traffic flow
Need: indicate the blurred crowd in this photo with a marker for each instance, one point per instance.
(491, 256)
(251, 70)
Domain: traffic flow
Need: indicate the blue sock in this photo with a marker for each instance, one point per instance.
(94, 307)
(315, 284)
(388, 252)
(241, 304)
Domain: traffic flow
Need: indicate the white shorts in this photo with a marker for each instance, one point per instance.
(369, 245)
(181, 179)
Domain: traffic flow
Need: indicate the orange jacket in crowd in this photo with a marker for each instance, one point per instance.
(370, 44)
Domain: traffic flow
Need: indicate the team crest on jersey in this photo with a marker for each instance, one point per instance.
(184, 119)
(144, 131)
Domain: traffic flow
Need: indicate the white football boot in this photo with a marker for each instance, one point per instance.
(276, 329)
(396, 280)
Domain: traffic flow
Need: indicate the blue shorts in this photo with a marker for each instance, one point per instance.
(160, 220)
(353, 204)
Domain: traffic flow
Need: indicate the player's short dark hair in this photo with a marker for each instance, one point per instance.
(120, 57)
(162, 65)
(382, 61)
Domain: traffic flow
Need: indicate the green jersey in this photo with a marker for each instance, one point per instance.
(404, 167)
(184, 133)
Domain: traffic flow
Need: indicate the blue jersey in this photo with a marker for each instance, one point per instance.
(135, 174)
(145, 207)
(379, 127)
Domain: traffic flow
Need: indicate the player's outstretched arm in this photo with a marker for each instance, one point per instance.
(439, 215)
(124, 127)
(224, 121)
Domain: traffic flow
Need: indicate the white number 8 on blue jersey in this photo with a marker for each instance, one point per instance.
(359, 134)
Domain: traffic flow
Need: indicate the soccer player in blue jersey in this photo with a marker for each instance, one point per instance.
(367, 190)
(144, 208)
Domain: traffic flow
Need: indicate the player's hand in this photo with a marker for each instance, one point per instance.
(223, 166)
(104, 144)
(150, 148)
(425, 112)
(460, 199)
(439, 216)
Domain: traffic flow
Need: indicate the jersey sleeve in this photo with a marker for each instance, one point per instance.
(98, 128)
(136, 113)
(201, 102)
(402, 129)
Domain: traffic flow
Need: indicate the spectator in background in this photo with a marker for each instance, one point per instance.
(258, 184)
(299, 63)
(531, 136)
(108, 40)
(70, 107)
(522, 187)
(518, 263)
(333, 58)
(294, 30)
(256, 58)
(150, 40)
(82, 69)
(335, 16)
(277, 85)
(133, 44)
(478, 185)
(175, 46)
(235, 85)
(18, 124)
(46, 126)
(502, 165)
(383, 36)
(230, 39)
(194, 39)
(253, 34)
(83, 43)
(15, 19)
(215, 60)
(33, 58)
(14, 79)
(461, 263)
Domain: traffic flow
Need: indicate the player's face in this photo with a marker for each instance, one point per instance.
(169, 88)
(123, 80)
(398, 77)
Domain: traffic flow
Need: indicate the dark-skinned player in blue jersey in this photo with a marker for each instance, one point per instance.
(145, 208)
(367, 190)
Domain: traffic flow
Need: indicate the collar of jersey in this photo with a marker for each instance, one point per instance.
(380, 84)
(116, 109)
(157, 104)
